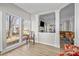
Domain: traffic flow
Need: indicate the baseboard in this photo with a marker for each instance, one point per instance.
(49, 44)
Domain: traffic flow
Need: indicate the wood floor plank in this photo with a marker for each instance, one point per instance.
(33, 50)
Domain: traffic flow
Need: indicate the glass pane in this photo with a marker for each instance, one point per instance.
(25, 29)
(12, 29)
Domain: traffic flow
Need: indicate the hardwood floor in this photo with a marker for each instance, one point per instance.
(33, 50)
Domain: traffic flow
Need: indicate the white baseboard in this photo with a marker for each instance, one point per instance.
(49, 44)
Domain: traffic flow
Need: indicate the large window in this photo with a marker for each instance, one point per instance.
(12, 29)
(16, 28)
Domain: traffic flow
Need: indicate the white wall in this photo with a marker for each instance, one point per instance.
(47, 38)
(67, 11)
(77, 24)
(13, 10)
(34, 25)
(27, 24)
(67, 14)
(0, 31)
(57, 36)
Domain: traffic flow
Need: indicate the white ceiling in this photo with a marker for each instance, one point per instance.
(39, 7)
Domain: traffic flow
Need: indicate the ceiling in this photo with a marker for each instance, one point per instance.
(34, 8)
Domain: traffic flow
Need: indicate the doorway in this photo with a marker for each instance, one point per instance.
(66, 23)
